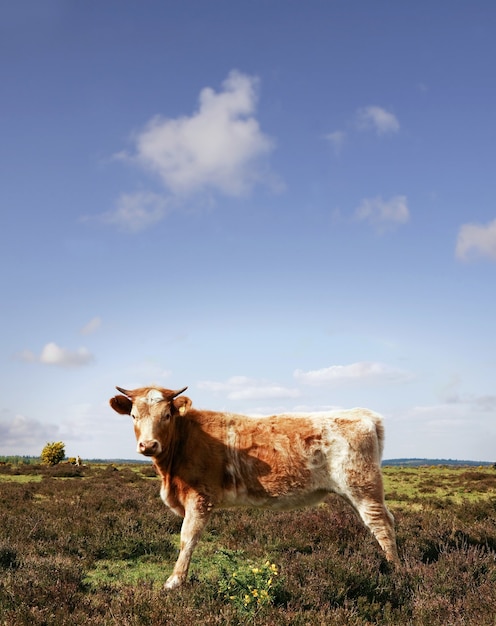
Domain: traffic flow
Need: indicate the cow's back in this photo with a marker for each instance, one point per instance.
(282, 461)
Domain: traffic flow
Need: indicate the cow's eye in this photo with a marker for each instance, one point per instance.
(134, 417)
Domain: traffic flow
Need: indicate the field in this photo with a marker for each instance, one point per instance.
(94, 545)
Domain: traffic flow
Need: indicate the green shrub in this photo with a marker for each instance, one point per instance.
(8, 558)
(250, 586)
(53, 453)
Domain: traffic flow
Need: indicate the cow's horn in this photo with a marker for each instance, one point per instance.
(177, 393)
(124, 391)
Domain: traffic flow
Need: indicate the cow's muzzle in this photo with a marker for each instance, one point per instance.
(149, 448)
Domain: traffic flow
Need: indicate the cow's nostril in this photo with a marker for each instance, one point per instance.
(148, 448)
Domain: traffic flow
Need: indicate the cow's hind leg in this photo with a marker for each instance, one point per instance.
(368, 500)
(381, 523)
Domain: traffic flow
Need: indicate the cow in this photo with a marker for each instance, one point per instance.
(214, 460)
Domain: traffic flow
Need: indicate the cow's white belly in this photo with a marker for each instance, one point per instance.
(241, 498)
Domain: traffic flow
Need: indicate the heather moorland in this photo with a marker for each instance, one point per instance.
(94, 545)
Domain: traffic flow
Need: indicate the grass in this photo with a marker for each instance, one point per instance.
(416, 488)
(96, 548)
(21, 478)
(123, 572)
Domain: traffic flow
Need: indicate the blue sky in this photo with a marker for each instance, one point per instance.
(286, 206)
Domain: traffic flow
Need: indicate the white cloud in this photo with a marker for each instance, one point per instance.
(384, 213)
(146, 372)
(244, 388)
(444, 430)
(52, 354)
(336, 375)
(337, 139)
(483, 403)
(92, 326)
(486, 404)
(23, 435)
(476, 240)
(378, 119)
(137, 211)
(218, 147)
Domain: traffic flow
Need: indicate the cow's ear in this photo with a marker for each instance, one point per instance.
(182, 404)
(121, 404)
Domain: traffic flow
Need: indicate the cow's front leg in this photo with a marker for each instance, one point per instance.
(196, 517)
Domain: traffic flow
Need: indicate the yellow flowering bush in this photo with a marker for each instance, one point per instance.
(250, 587)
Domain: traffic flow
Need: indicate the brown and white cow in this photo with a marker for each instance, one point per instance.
(209, 460)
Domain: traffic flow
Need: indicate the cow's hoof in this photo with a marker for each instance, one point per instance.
(173, 582)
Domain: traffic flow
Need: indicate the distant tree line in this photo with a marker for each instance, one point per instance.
(18, 459)
(422, 462)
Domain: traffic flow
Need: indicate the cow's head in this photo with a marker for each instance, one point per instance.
(153, 409)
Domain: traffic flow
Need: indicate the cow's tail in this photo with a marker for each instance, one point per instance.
(380, 433)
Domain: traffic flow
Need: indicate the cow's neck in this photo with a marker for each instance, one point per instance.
(164, 462)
